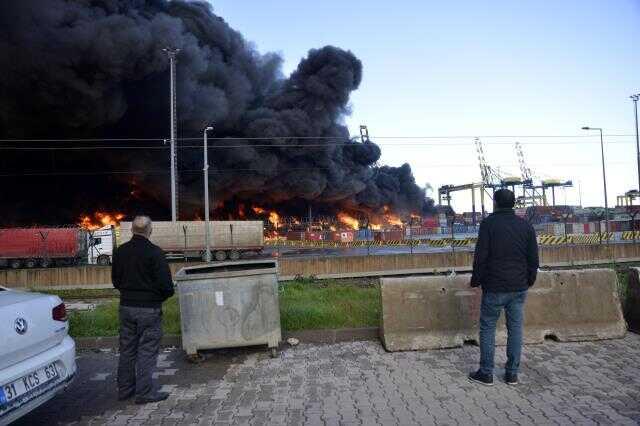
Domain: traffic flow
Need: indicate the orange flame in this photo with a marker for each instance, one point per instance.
(258, 210)
(99, 220)
(376, 227)
(348, 220)
(393, 219)
(274, 218)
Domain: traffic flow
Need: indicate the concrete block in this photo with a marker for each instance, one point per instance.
(632, 300)
(432, 312)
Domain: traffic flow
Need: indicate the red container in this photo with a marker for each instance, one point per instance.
(430, 222)
(343, 236)
(389, 235)
(42, 243)
(347, 236)
(295, 235)
(314, 236)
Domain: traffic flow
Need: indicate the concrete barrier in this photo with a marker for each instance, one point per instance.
(443, 311)
(338, 266)
(632, 300)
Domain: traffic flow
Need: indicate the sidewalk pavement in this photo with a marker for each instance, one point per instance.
(359, 383)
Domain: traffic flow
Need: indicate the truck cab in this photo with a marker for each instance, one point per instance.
(101, 243)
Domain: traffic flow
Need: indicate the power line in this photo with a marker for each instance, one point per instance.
(324, 145)
(471, 137)
(278, 170)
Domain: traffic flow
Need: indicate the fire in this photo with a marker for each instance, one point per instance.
(258, 210)
(393, 219)
(348, 220)
(274, 218)
(376, 227)
(99, 220)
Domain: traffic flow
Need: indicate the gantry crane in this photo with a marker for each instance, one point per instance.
(531, 195)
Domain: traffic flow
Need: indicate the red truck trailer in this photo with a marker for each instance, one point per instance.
(42, 247)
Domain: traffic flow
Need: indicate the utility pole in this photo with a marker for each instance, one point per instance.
(635, 108)
(604, 181)
(205, 171)
(174, 157)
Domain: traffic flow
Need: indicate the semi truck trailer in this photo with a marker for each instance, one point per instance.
(47, 246)
(186, 239)
(32, 247)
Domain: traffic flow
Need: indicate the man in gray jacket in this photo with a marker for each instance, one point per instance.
(141, 273)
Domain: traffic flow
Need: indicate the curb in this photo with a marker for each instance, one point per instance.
(328, 336)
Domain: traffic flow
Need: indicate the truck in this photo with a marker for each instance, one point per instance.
(186, 239)
(40, 246)
(47, 246)
(100, 246)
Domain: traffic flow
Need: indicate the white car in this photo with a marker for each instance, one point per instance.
(37, 356)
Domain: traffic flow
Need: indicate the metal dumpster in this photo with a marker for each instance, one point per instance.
(229, 304)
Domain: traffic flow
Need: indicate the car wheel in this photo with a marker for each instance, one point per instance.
(220, 255)
(45, 263)
(31, 263)
(15, 264)
(103, 260)
(234, 255)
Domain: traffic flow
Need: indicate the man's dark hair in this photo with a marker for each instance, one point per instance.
(504, 198)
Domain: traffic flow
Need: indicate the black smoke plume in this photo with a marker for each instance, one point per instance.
(96, 69)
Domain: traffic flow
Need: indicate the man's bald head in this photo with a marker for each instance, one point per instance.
(141, 225)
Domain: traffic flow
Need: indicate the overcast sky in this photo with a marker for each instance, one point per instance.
(465, 68)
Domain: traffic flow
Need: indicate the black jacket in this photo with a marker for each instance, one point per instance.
(141, 273)
(506, 256)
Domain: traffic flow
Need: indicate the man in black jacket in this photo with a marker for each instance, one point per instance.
(141, 273)
(505, 266)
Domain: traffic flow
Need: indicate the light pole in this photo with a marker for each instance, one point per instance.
(604, 180)
(635, 110)
(173, 117)
(205, 170)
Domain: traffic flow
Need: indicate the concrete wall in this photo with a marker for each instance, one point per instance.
(632, 300)
(433, 312)
(337, 267)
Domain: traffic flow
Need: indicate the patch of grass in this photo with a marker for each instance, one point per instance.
(304, 304)
(328, 304)
(103, 321)
(80, 293)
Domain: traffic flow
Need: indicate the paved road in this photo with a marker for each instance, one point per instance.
(354, 383)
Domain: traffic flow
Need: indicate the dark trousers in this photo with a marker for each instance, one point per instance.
(492, 305)
(140, 334)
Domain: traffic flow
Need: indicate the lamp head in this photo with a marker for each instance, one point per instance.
(208, 128)
(586, 128)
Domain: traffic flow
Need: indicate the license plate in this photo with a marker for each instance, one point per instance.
(25, 384)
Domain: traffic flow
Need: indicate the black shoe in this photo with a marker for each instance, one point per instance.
(157, 397)
(483, 379)
(125, 396)
(511, 379)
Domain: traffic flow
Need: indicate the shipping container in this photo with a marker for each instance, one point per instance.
(314, 236)
(430, 221)
(389, 235)
(364, 235)
(33, 247)
(296, 235)
(186, 239)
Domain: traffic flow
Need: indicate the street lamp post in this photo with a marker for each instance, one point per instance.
(604, 181)
(635, 110)
(173, 116)
(205, 170)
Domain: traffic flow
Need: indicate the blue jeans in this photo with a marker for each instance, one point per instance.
(492, 305)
